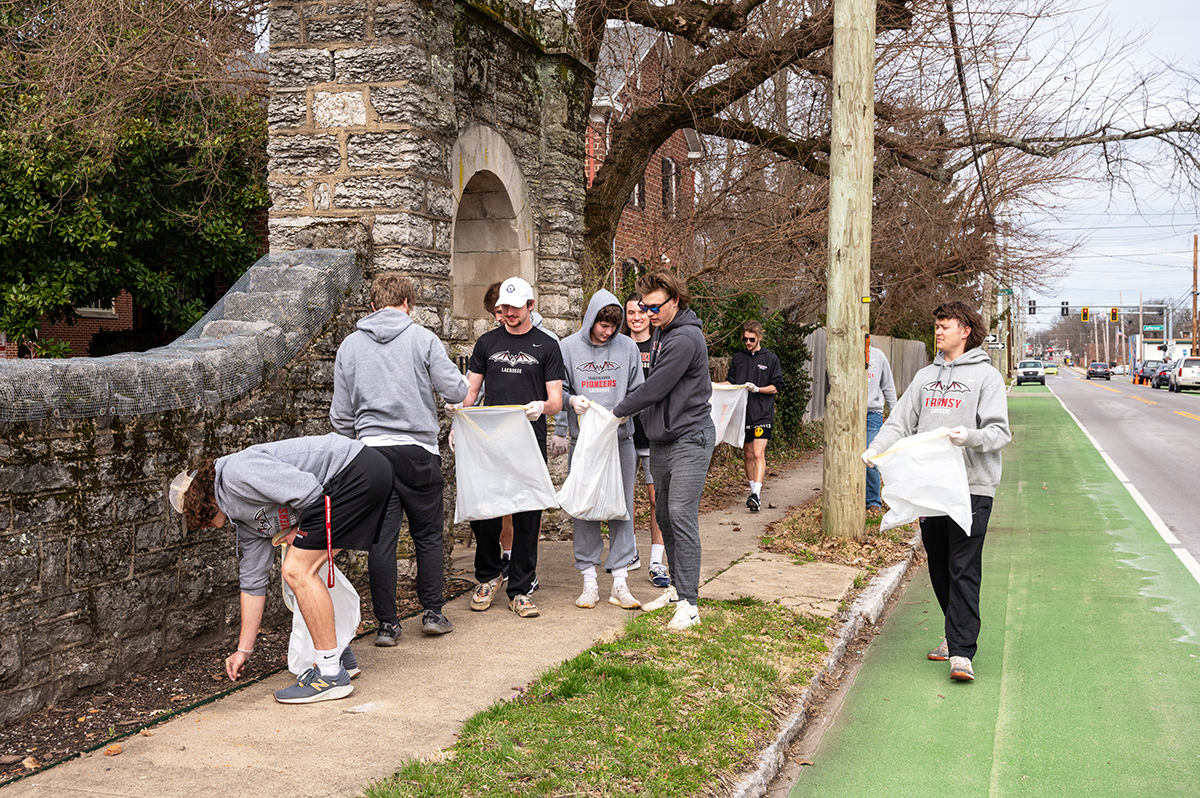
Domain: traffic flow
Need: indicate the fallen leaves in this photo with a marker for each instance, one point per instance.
(113, 749)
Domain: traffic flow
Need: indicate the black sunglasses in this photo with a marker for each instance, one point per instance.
(749, 339)
(651, 308)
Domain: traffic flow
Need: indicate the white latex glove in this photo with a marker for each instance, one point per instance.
(621, 420)
(751, 387)
(451, 441)
(533, 410)
(957, 435)
(559, 445)
(580, 404)
(452, 409)
(867, 455)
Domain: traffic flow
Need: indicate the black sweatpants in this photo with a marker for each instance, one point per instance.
(956, 570)
(523, 567)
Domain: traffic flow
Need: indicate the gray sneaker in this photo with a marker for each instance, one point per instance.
(350, 662)
(387, 635)
(312, 687)
(435, 623)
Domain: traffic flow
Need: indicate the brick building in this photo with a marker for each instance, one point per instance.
(657, 221)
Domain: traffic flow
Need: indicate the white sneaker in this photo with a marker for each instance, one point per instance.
(669, 596)
(621, 596)
(590, 596)
(686, 615)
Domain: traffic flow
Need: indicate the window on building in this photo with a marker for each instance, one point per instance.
(103, 309)
(670, 187)
(639, 194)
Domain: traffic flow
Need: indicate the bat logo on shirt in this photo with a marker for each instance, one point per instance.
(598, 368)
(954, 387)
(518, 359)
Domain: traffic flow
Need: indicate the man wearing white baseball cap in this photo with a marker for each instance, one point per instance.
(522, 365)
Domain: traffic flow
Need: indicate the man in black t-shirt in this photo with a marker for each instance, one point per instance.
(760, 371)
(522, 365)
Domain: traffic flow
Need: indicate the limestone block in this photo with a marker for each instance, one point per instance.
(321, 194)
(341, 29)
(287, 109)
(404, 229)
(287, 196)
(299, 68)
(399, 151)
(406, 19)
(440, 200)
(555, 245)
(562, 272)
(303, 154)
(441, 237)
(379, 192)
(100, 557)
(414, 104)
(432, 291)
(285, 24)
(381, 64)
(18, 563)
(428, 318)
(336, 7)
(554, 304)
(412, 261)
(339, 109)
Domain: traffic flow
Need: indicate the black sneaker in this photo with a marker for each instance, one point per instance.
(388, 634)
(435, 623)
(505, 560)
(753, 502)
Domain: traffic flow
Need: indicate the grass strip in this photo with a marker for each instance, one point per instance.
(650, 712)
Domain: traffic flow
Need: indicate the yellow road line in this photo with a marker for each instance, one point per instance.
(1105, 387)
(1147, 401)
(1189, 415)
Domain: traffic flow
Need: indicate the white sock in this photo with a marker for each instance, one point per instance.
(589, 574)
(656, 552)
(619, 575)
(328, 662)
(507, 553)
(756, 488)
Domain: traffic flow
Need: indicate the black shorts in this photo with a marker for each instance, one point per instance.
(358, 497)
(757, 432)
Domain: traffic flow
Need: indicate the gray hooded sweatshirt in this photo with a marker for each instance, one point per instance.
(674, 398)
(264, 487)
(384, 378)
(604, 373)
(966, 392)
(880, 385)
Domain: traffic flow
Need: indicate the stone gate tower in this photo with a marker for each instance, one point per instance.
(440, 138)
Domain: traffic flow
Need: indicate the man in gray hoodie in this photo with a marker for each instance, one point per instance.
(383, 383)
(962, 391)
(677, 417)
(603, 368)
(881, 388)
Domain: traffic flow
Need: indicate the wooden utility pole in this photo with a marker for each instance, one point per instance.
(851, 163)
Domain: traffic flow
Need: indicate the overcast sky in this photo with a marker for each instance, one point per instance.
(1129, 247)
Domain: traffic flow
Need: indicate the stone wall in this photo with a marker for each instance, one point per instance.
(98, 575)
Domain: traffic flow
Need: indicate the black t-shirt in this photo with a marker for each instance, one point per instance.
(761, 368)
(640, 441)
(516, 368)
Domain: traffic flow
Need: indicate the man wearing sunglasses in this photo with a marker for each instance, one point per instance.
(759, 370)
(673, 402)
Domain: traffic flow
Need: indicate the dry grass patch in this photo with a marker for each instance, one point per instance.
(800, 535)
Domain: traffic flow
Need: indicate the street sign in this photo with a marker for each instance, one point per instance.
(991, 339)
(1152, 327)
(1005, 292)
(995, 346)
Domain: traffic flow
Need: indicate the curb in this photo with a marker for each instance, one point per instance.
(867, 608)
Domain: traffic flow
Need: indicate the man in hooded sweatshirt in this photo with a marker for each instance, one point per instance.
(677, 417)
(384, 377)
(962, 391)
(603, 368)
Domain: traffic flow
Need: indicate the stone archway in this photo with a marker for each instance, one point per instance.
(492, 231)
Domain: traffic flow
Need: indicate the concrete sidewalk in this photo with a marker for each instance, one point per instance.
(411, 700)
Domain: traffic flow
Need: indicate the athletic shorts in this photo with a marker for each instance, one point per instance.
(358, 496)
(757, 432)
(643, 456)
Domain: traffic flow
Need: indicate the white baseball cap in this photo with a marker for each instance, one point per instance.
(515, 292)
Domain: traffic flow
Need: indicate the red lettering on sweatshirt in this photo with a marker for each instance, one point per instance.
(598, 383)
(943, 401)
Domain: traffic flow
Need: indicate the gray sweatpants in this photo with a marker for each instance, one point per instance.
(589, 544)
(680, 469)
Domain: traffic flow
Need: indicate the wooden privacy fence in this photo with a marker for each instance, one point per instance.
(907, 358)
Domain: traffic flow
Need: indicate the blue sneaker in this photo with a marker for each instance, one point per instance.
(312, 687)
(350, 662)
(659, 576)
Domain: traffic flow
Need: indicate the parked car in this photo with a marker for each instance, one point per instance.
(1031, 371)
(1162, 375)
(1050, 368)
(1098, 370)
(1147, 370)
(1121, 369)
(1185, 373)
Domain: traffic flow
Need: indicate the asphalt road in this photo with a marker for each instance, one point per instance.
(1153, 436)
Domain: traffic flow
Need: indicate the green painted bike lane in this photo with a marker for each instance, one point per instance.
(1088, 670)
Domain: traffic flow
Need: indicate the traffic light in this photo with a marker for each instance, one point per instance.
(1066, 309)
(1084, 315)
(1032, 308)
(1112, 315)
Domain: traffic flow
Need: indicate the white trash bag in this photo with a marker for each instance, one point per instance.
(302, 654)
(924, 475)
(728, 404)
(594, 490)
(498, 464)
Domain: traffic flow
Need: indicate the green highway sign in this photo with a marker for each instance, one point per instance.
(1152, 327)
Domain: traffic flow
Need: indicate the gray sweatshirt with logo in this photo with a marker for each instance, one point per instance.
(965, 392)
(604, 373)
(880, 385)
